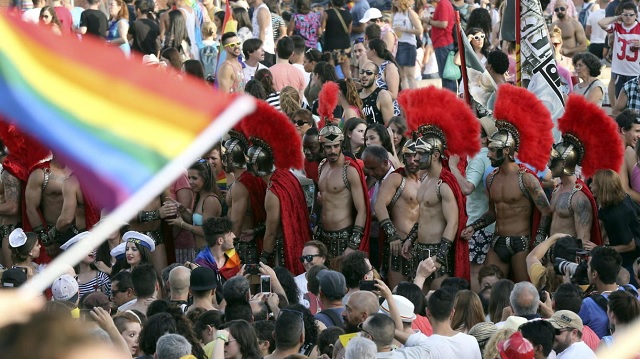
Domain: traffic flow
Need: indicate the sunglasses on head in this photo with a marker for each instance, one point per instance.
(561, 8)
(368, 72)
(308, 257)
(478, 37)
(233, 45)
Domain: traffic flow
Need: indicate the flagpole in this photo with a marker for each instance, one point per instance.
(463, 62)
(518, 39)
(239, 108)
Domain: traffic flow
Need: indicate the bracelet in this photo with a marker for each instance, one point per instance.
(222, 336)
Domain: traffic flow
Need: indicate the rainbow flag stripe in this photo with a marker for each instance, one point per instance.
(113, 120)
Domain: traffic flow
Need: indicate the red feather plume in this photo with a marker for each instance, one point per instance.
(275, 128)
(530, 117)
(598, 133)
(22, 147)
(441, 108)
(327, 102)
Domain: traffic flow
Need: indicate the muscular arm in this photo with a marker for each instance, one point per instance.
(225, 78)
(33, 197)
(70, 187)
(538, 252)
(272, 207)
(582, 216)
(466, 186)
(358, 197)
(537, 195)
(263, 23)
(392, 78)
(624, 178)
(385, 104)
(581, 41)
(239, 206)
(387, 190)
(11, 195)
(450, 211)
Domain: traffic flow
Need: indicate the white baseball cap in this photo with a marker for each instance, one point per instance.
(64, 288)
(370, 14)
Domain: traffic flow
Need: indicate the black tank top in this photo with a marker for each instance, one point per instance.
(370, 108)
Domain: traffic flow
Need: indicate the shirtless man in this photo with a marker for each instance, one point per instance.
(245, 198)
(514, 191)
(397, 211)
(432, 236)
(230, 75)
(43, 200)
(574, 40)
(71, 220)
(629, 128)
(343, 217)
(9, 211)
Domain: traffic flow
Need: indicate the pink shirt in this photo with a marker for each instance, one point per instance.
(66, 20)
(287, 75)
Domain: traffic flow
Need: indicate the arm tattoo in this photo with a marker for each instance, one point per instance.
(583, 210)
(11, 187)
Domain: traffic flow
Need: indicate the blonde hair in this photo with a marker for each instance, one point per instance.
(403, 5)
(468, 311)
(608, 188)
(556, 33)
(491, 349)
(289, 100)
(209, 29)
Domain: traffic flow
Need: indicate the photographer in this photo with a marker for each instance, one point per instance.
(562, 263)
(603, 270)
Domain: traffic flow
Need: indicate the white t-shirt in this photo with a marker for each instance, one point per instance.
(301, 282)
(249, 72)
(624, 61)
(458, 346)
(577, 350)
(268, 45)
(598, 36)
(31, 16)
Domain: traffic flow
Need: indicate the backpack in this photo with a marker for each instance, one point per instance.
(335, 318)
(584, 14)
(209, 59)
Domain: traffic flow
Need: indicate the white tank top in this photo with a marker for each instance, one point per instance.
(401, 19)
(268, 45)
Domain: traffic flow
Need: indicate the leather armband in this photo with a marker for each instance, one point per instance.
(148, 216)
(482, 222)
(389, 230)
(443, 251)
(318, 233)
(265, 257)
(413, 234)
(543, 230)
(259, 229)
(53, 235)
(356, 237)
(43, 236)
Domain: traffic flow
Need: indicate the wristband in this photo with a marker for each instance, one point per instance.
(43, 236)
(148, 216)
(389, 230)
(223, 337)
(413, 234)
(443, 251)
(265, 257)
(356, 237)
(259, 229)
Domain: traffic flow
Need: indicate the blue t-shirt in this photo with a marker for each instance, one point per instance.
(593, 316)
(357, 13)
(327, 320)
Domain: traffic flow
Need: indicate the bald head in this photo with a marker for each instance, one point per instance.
(365, 302)
(179, 279)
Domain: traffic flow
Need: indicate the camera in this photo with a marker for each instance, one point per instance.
(563, 266)
(577, 271)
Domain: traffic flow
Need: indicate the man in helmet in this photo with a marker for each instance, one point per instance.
(344, 214)
(397, 211)
(245, 198)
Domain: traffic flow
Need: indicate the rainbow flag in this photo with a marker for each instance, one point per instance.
(115, 122)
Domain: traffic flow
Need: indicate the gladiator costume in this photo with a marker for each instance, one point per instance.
(590, 139)
(450, 128)
(272, 137)
(354, 237)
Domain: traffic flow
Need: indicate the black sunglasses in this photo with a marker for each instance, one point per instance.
(368, 72)
(561, 8)
(308, 257)
(359, 40)
(300, 123)
(360, 327)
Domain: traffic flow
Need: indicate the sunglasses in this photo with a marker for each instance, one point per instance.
(360, 327)
(45, 17)
(233, 45)
(359, 40)
(478, 37)
(308, 257)
(368, 72)
(299, 123)
(561, 8)
(628, 15)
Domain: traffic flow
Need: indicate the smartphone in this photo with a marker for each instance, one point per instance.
(368, 285)
(265, 284)
(428, 253)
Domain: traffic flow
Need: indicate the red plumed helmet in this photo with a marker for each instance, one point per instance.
(24, 151)
(525, 117)
(593, 135)
(516, 347)
(274, 128)
(442, 109)
(327, 102)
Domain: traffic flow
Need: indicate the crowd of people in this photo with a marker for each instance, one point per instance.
(353, 215)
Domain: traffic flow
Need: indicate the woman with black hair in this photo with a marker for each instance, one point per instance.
(389, 78)
(238, 340)
(336, 27)
(311, 58)
(412, 292)
(377, 134)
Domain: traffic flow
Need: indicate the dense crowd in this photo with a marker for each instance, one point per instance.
(354, 215)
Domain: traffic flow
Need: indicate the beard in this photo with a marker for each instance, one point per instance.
(350, 328)
(560, 15)
(369, 84)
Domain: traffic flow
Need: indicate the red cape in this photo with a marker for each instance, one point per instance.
(364, 244)
(257, 191)
(311, 170)
(293, 215)
(461, 246)
(596, 235)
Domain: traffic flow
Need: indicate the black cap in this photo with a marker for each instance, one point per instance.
(203, 278)
(13, 278)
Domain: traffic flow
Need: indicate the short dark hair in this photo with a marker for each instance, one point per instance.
(313, 285)
(249, 46)
(124, 280)
(591, 61)
(539, 332)
(235, 289)
(499, 61)
(354, 268)
(214, 228)
(264, 330)
(325, 71)
(457, 283)
(238, 310)
(327, 339)
(628, 5)
(440, 305)
(606, 261)
(284, 49)
(313, 131)
(381, 328)
(144, 279)
(373, 31)
(568, 296)
(254, 88)
(624, 306)
(412, 292)
(626, 119)
(157, 326)
(226, 36)
(299, 45)
(263, 313)
(289, 328)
